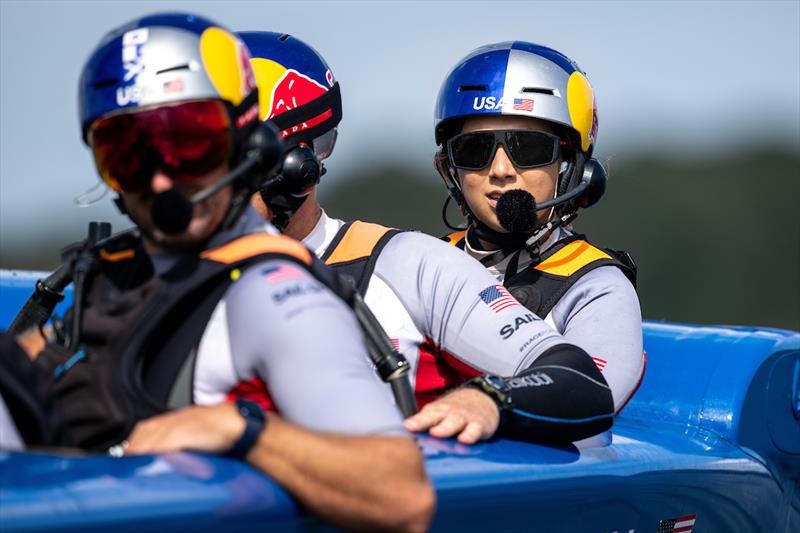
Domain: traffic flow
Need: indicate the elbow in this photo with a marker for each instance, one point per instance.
(409, 502)
(418, 509)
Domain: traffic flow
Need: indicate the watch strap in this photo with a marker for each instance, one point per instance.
(494, 387)
(255, 419)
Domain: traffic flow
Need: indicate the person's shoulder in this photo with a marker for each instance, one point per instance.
(607, 277)
(261, 282)
(415, 245)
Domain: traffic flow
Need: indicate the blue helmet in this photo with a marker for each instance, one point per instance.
(519, 78)
(163, 59)
(524, 79)
(297, 90)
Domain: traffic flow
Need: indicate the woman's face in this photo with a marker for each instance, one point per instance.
(482, 188)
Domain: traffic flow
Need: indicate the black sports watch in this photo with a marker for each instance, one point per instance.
(255, 419)
(496, 388)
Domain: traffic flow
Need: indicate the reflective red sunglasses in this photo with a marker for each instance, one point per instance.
(526, 148)
(186, 141)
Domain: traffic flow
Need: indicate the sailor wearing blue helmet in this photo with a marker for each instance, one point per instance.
(516, 124)
(192, 334)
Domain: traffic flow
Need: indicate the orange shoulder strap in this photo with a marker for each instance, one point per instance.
(256, 244)
(454, 238)
(359, 241)
(571, 258)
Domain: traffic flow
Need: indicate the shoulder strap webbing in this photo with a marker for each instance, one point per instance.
(570, 257)
(542, 285)
(249, 246)
(355, 249)
(456, 239)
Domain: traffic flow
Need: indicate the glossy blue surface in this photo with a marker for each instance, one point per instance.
(712, 431)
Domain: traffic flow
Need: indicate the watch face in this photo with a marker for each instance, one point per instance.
(496, 382)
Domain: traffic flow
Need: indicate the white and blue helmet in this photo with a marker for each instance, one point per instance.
(519, 78)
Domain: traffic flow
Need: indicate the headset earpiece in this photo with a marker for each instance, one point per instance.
(596, 177)
(301, 169)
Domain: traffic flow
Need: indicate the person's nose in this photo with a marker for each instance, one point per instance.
(502, 168)
(160, 182)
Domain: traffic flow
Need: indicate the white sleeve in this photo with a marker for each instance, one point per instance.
(601, 314)
(304, 342)
(460, 307)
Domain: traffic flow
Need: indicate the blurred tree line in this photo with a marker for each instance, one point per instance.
(716, 239)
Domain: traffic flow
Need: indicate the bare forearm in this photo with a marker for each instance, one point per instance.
(364, 483)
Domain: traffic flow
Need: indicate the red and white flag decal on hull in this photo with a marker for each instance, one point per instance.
(682, 524)
(601, 363)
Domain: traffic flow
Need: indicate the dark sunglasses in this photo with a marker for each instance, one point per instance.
(526, 148)
(185, 141)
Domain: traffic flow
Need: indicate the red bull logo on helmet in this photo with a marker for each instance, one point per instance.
(282, 89)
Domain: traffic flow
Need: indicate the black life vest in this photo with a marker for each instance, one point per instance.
(139, 334)
(355, 249)
(540, 285)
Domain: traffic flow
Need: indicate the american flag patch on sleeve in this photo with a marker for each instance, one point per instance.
(682, 524)
(278, 274)
(497, 298)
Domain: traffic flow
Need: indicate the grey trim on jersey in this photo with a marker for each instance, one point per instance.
(601, 314)
(306, 344)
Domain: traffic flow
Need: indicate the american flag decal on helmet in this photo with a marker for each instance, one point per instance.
(497, 298)
(523, 104)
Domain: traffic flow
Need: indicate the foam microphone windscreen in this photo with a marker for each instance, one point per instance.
(171, 211)
(516, 211)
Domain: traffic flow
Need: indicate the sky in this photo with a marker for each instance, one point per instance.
(686, 77)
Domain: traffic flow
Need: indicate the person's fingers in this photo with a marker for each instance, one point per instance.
(154, 435)
(425, 419)
(451, 424)
(472, 433)
(141, 439)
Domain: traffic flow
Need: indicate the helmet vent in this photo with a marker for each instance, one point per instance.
(467, 88)
(283, 37)
(104, 83)
(537, 90)
(187, 66)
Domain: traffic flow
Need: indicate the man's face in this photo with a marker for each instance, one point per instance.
(185, 146)
(482, 188)
(207, 215)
